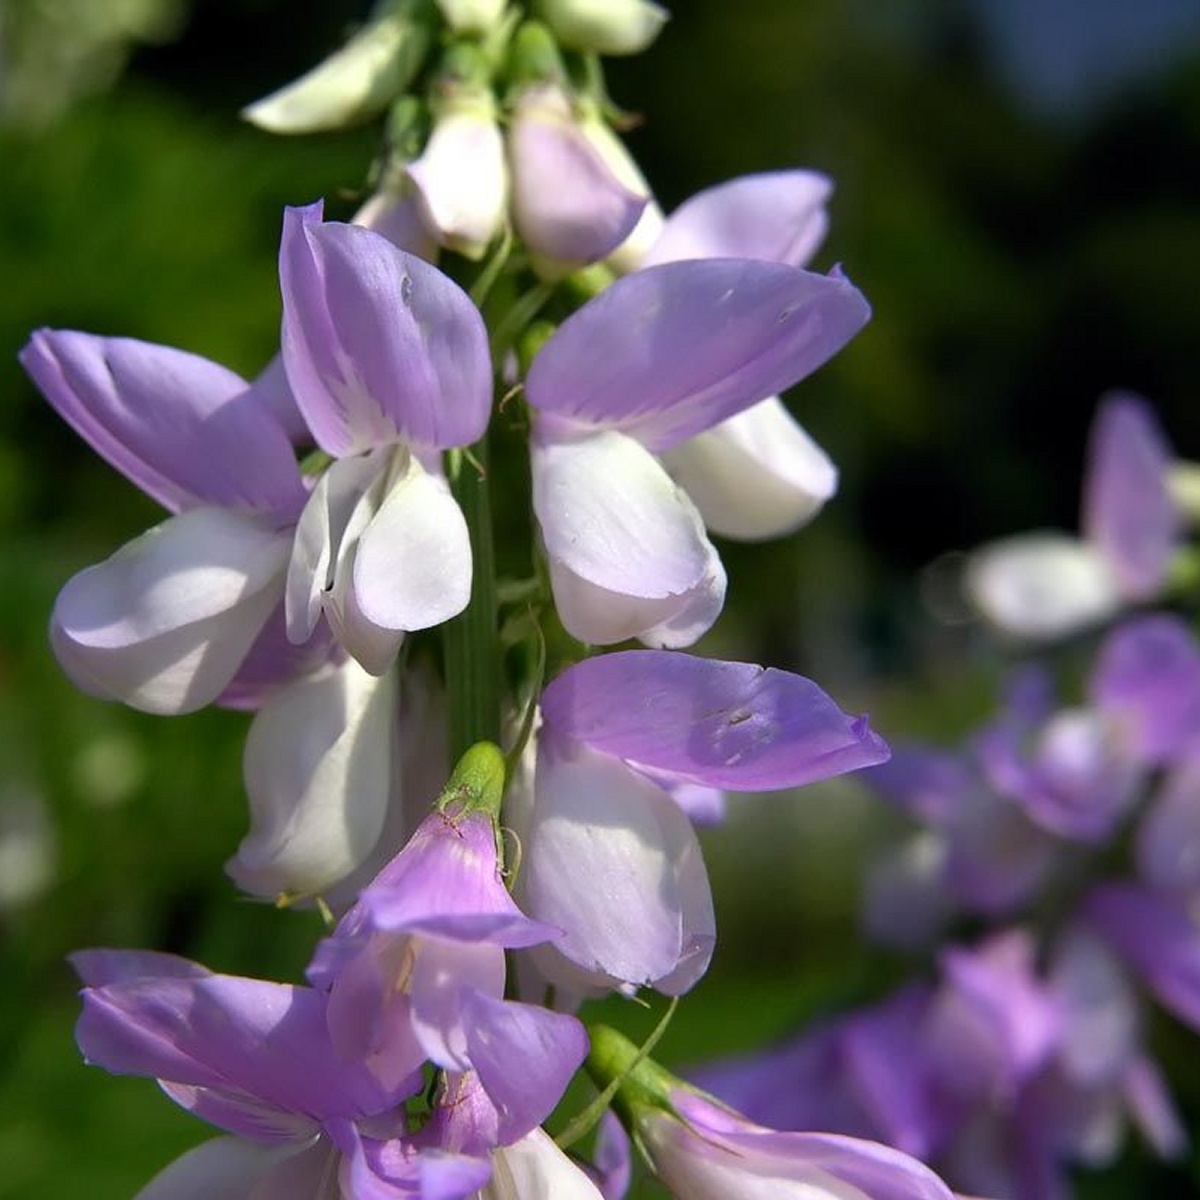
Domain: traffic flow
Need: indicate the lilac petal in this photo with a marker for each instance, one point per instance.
(318, 769)
(166, 622)
(666, 353)
(1147, 678)
(234, 1169)
(1100, 1028)
(1153, 1109)
(627, 559)
(446, 884)
(777, 216)
(1155, 934)
(534, 1166)
(568, 204)
(613, 1157)
(413, 566)
(612, 860)
(275, 395)
(397, 217)
(1128, 511)
(1167, 845)
(993, 1024)
(379, 346)
(185, 430)
(243, 1115)
(549, 1047)
(726, 724)
(723, 1155)
(99, 967)
(264, 1040)
(1041, 585)
(757, 475)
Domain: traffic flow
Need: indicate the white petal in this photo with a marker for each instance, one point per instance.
(627, 548)
(1041, 585)
(612, 860)
(319, 537)
(462, 179)
(165, 623)
(226, 1167)
(318, 769)
(413, 567)
(534, 1168)
(757, 475)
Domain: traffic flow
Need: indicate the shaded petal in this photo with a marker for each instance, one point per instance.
(166, 622)
(726, 724)
(1153, 1110)
(568, 203)
(718, 1154)
(379, 346)
(778, 216)
(757, 475)
(396, 215)
(265, 1041)
(413, 566)
(1041, 585)
(1155, 934)
(318, 768)
(444, 977)
(665, 353)
(1147, 679)
(446, 884)
(183, 429)
(275, 660)
(233, 1169)
(548, 1046)
(1128, 512)
(611, 518)
(535, 1168)
(1167, 845)
(98, 967)
(611, 859)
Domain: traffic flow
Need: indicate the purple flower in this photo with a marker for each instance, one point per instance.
(415, 971)
(609, 856)
(1047, 585)
(660, 356)
(389, 364)
(166, 623)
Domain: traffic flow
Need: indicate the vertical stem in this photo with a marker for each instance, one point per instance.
(471, 641)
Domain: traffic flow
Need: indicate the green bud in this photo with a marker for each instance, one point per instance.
(643, 1084)
(477, 784)
(1183, 482)
(534, 58)
(356, 82)
(463, 71)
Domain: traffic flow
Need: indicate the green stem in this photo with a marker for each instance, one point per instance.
(471, 641)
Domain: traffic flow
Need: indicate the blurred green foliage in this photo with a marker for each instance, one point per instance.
(1016, 270)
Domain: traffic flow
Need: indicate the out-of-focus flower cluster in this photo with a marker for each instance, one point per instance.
(1053, 867)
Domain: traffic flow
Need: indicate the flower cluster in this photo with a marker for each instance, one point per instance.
(1056, 857)
(326, 517)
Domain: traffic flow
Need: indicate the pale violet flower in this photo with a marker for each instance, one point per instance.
(389, 364)
(660, 356)
(168, 622)
(570, 206)
(1046, 585)
(609, 856)
(461, 177)
(758, 474)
